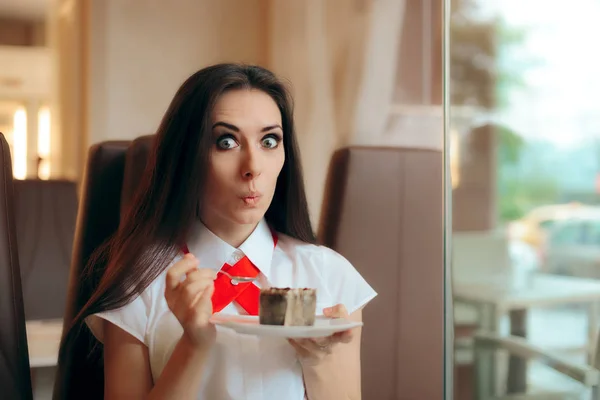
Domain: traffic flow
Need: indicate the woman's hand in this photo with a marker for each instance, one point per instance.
(314, 350)
(188, 293)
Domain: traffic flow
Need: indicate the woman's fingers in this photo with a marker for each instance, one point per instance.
(179, 270)
(343, 337)
(207, 295)
(300, 350)
(313, 346)
(337, 311)
(188, 293)
(204, 303)
(323, 345)
(199, 274)
(309, 352)
(316, 349)
(191, 290)
(185, 284)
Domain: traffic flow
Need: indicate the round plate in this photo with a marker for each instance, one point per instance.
(249, 325)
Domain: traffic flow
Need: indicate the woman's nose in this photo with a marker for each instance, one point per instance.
(251, 166)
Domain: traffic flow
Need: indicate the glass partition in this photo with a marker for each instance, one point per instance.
(523, 142)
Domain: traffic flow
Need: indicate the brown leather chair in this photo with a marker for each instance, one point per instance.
(80, 372)
(113, 174)
(383, 210)
(15, 378)
(45, 215)
(137, 158)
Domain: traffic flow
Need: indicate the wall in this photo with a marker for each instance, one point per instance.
(419, 75)
(25, 72)
(66, 38)
(141, 51)
(137, 53)
(17, 32)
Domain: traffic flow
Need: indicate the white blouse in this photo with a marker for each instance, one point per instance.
(243, 366)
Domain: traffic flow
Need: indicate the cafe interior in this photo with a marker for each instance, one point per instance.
(451, 152)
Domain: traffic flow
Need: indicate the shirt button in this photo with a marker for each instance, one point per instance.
(238, 255)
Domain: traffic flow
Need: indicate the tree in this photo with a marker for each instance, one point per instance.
(479, 76)
(482, 78)
(510, 146)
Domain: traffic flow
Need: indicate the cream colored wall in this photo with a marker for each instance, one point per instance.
(18, 32)
(66, 38)
(140, 51)
(135, 54)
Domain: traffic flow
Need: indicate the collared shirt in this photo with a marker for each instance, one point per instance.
(244, 366)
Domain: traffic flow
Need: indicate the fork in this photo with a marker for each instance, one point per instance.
(238, 279)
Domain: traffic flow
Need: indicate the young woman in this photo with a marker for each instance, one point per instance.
(224, 183)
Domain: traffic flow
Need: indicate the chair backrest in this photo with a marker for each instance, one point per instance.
(383, 210)
(80, 373)
(45, 216)
(114, 171)
(137, 158)
(15, 378)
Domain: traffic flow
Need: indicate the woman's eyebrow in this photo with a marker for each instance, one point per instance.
(226, 125)
(236, 129)
(270, 127)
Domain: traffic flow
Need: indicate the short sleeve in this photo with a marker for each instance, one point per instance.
(132, 318)
(345, 285)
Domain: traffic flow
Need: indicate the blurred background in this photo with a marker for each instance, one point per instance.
(363, 73)
(75, 73)
(522, 143)
(524, 130)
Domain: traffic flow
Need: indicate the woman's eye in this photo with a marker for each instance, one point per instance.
(226, 143)
(270, 142)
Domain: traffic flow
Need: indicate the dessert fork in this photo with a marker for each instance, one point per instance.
(238, 279)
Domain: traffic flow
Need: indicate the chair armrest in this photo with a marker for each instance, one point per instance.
(519, 347)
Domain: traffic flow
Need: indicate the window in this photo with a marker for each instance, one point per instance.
(547, 224)
(569, 233)
(27, 129)
(43, 143)
(591, 233)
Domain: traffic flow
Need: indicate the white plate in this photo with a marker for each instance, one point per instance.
(249, 325)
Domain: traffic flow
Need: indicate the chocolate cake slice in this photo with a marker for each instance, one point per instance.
(288, 307)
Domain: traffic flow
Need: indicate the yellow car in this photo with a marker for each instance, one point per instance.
(532, 228)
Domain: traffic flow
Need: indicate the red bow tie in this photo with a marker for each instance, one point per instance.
(245, 294)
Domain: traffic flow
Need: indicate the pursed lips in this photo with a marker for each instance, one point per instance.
(251, 198)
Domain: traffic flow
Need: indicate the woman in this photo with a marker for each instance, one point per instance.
(224, 182)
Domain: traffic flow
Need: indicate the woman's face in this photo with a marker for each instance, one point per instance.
(246, 158)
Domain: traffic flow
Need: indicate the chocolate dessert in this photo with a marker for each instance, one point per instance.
(288, 307)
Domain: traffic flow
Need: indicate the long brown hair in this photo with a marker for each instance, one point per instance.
(171, 191)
